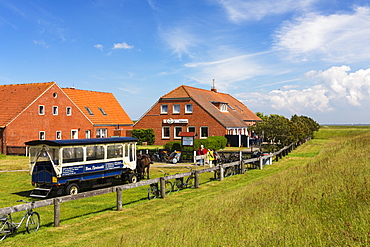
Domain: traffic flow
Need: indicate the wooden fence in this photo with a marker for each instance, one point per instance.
(241, 166)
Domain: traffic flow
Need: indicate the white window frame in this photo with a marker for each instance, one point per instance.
(88, 134)
(176, 111)
(41, 110)
(101, 133)
(55, 110)
(162, 109)
(163, 132)
(42, 135)
(74, 134)
(188, 110)
(69, 111)
(175, 136)
(58, 135)
(195, 129)
(223, 107)
(200, 132)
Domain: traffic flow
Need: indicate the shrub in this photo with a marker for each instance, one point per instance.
(144, 135)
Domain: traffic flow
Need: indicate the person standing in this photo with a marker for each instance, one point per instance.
(211, 157)
(201, 151)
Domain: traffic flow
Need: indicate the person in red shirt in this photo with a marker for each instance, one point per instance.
(201, 151)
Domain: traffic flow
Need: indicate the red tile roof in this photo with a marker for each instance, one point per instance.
(114, 113)
(238, 115)
(16, 98)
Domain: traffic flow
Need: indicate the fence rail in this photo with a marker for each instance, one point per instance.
(241, 165)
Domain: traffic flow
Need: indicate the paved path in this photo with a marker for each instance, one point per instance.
(15, 171)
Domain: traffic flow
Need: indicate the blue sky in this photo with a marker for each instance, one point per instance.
(304, 57)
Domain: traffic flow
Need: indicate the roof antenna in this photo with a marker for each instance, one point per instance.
(213, 89)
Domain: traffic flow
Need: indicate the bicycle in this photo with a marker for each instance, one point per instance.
(154, 191)
(8, 226)
(190, 182)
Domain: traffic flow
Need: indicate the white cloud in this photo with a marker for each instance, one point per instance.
(42, 43)
(99, 46)
(179, 40)
(123, 45)
(335, 90)
(334, 38)
(242, 10)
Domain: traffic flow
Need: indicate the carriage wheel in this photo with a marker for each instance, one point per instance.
(72, 189)
(132, 178)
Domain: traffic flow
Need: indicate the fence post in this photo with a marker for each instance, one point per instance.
(196, 182)
(261, 163)
(119, 198)
(56, 212)
(162, 183)
(195, 156)
(221, 173)
(242, 167)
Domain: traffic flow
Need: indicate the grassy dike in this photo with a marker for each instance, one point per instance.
(318, 195)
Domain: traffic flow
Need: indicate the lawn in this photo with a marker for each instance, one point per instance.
(318, 195)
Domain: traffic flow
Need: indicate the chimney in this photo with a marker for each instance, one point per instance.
(213, 89)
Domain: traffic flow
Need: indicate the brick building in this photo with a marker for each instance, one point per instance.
(190, 109)
(45, 111)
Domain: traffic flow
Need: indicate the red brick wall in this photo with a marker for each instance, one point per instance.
(27, 125)
(199, 118)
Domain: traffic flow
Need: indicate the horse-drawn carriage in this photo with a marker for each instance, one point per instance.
(67, 166)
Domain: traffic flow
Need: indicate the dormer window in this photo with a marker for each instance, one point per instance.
(223, 107)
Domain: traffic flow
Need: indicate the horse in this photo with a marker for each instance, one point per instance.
(143, 165)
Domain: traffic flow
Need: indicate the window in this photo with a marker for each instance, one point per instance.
(88, 134)
(55, 95)
(101, 133)
(94, 152)
(223, 107)
(203, 132)
(58, 135)
(176, 109)
(177, 132)
(164, 109)
(89, 110)
(74, 134)
(114, 151)
(166, 132)
(69, 111)
(55, 110)
(72, 154)
(102, 111)
(41, 110)
(42, 135)
(191, 129)
(189, 108)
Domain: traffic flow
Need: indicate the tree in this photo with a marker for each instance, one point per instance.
(144, 135)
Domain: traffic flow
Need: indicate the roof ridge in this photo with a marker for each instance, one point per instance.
(28, 84)
(72, 88)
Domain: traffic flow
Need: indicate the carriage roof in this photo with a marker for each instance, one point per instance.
(73, 142)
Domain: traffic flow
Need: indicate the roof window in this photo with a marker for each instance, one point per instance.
(102, 111)
(89, 110)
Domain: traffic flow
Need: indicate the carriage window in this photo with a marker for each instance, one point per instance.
(126, 150)
(73, 154)
(95, 153)
(114, 151)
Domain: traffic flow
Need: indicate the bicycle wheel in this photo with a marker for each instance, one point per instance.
(153, 191)
(168, 187)
(33, 222)
(178, 184)
(217, 175)
(229, 172)
(190, 181)
(4, 230)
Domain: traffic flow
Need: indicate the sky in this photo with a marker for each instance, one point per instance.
(303, 57)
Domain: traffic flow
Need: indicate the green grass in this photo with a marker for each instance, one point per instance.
(318, 195)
